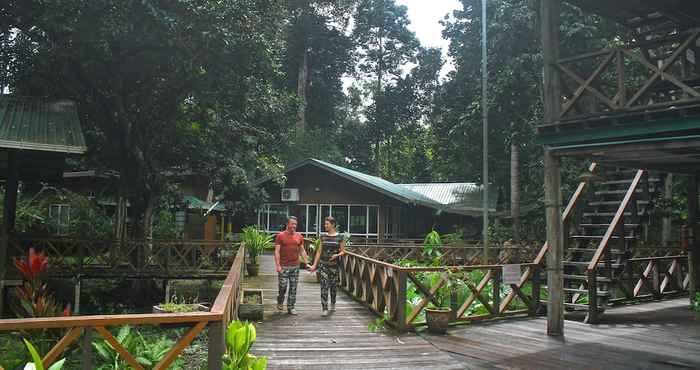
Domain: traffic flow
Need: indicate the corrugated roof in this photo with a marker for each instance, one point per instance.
(459, 196)
(418, 194)
(684, 13)
(196, 203)
(38, 124)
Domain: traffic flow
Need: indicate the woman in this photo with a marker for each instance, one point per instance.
(332, 246)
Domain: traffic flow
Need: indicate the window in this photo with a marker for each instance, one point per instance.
(340, 213)
(277, 217)
(358, 219)
(59, 215)
(312, 218)
(273, 217)
(373, 217)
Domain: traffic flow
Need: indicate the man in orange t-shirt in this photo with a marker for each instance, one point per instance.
(289, 245)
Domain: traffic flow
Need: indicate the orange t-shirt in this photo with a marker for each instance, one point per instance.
(290, 246)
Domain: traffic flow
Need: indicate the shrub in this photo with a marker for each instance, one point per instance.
(256, 241)
(239, 339)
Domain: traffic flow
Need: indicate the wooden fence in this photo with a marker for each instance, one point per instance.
(223, 311)
(383, 288)
(129, 258)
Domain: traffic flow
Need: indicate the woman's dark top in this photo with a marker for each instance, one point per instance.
(331, 246)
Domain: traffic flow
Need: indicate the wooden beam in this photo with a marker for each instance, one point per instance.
(61, 346)
(694, 247)
(123, 353)
(182, 344)
(550, 16)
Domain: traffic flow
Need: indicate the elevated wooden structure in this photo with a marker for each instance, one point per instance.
(635, 106)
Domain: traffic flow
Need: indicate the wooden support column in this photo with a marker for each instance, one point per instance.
(217, 345)
(550, 19)
(694, 246)
(9, 214)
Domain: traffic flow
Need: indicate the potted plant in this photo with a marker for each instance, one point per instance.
(256, 241)
(438, 317)
(251, 307)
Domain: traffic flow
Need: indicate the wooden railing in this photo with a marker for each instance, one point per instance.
(384, 287)
(657, 276)
(223, 311)
(643, 78)
(470, 253)
(156, 258)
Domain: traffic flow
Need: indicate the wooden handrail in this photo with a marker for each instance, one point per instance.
(619, 217)
(222, 310)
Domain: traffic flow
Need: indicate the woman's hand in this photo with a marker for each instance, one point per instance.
(333, 257)
(312, 268)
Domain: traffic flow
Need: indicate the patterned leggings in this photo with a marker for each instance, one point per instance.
(288, 275)
(329, 280)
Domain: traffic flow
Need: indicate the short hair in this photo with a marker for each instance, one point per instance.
(290, 218)
(331, 220)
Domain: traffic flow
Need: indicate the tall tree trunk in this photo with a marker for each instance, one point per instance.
(378, 97)
(515, 189)
(302, 83)
(120, 214)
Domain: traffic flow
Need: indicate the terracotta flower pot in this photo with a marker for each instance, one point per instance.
(438, 320)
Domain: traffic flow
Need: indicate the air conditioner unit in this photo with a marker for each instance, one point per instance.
(290, 195)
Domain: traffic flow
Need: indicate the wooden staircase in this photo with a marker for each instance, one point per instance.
(600, 236)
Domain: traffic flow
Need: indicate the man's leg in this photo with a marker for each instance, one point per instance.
(282, 279)
(324, 286)
(293, 281)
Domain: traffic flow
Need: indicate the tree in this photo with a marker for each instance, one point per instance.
(159, 82)
(385, 44)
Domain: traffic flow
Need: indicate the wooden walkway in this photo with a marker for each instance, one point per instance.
(340, 341)
(659, 335)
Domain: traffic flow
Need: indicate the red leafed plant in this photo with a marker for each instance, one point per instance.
(33, 297)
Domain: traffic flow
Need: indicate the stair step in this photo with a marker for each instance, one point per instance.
(592, 250)
(601, 293)
(605, 226)
(599, 237)
(628, 181)
(585, 263)
(613, 203)
(615, 192)
(585, 278)
(603, 214)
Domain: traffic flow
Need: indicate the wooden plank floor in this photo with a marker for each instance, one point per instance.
(340, 341)
(659, 335)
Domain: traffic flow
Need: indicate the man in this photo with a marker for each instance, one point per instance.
(289, 244)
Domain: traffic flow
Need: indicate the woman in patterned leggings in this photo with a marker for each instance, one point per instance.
(332, 247)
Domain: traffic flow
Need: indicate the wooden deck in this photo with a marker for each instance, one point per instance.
(659, 335)
(340, 341)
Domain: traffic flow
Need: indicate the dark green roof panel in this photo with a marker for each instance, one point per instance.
(39, 124)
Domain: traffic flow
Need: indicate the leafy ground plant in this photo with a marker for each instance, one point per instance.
(240, 337)
(696, 303)
(146, 352)
(38, 364)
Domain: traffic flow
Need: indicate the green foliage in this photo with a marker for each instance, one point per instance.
(695, 306)
(256, 241)
(165, 226)
(432, 244)
(38, 364)
(379, 323)
(147, 352)
(240, 337)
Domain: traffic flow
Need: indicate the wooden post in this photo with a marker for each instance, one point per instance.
(87, 349)
(535, 291)
(694, 246)
(166, 289)
(401, 324)
(592, 317)
(666, 223)
(9, 212)
(76, 298)
(217, 345)
(496, 293)
(549, 15)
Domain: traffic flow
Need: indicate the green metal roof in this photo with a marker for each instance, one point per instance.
(402, 193)
(196, 203)
(465, 197)
(38, 124)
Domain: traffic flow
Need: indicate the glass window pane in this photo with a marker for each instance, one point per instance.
(358, 219)
(278, 217)
(299, 211)
(325, 211)
(340, 213)
(373, 217)
(313, 218)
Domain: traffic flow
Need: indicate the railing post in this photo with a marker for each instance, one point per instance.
(536, 291)
(496, 294)
(217, 345)
(401, 325)
(87, 349)
(592, 296)
(656, 279)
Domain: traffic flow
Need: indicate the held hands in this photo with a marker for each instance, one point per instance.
(312, 268)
